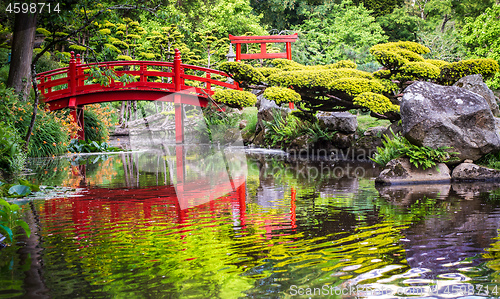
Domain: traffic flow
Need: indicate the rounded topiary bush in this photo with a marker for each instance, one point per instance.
(375, 102)
(456, 70)
(419, 70)
(281, 95)
(396, 54)
(235, 98)
(356, 86)
(242, 72)
(268, 71)
(286, 65)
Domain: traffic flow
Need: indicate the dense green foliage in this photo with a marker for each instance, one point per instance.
(218, 126)
(82, 146)
(12, 158)
(10, 219)
(491, 160)
(336, 31)
(341, 59)
(283, 131)
(94, 128)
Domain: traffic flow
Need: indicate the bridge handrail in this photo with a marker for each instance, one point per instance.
(129, 63)
(73, 83)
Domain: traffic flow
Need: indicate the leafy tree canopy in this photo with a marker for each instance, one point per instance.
(482, 37)
(337, 31)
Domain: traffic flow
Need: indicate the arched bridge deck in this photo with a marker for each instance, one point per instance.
(73, 87)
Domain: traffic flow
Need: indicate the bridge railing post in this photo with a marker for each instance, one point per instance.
(79, 81)
(209, 85)
(72, 75)
(179, 115)
(76, 111)
(41, 86)
(143, 78)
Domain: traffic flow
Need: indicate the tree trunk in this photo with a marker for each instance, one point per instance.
(122, 114)
(445, 20)
(22, 53)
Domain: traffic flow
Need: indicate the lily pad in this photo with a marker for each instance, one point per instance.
(19, 190)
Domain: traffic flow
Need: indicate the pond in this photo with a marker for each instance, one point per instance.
(194, 222)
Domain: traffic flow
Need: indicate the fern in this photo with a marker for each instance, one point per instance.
(420, 156)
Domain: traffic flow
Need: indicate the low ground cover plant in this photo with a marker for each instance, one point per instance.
(420, 156)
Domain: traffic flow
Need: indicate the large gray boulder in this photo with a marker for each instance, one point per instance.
(344, 122)
(435, 116)
(400, 171)
(476, 84)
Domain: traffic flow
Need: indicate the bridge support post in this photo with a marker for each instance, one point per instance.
(179, 109)
(77, 114)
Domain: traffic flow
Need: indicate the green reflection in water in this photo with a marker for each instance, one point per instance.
(294, 231)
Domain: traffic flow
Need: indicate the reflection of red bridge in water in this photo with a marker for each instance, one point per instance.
(154, 203)
(183, 201)
(71, 88)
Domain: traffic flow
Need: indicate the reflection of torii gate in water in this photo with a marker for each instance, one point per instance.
(184, 197)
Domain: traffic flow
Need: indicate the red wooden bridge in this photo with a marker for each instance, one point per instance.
(72, 87)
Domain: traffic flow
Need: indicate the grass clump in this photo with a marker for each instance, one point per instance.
(12, 158)
(283, 130)
(420, 156)
(366, 121)
(491, 160)
(250, 115)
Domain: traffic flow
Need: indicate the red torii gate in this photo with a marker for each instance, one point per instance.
(263, 41)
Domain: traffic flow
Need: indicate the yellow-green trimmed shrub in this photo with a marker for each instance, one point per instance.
(375, 102)
(439, 63)
(268, 71)
(411, 56)
(388, 86)
(407, 45)
(321, 79)
(456, 70)
(355, 86)
(124, 57)
(281, 95)
(43, 31)
(77, 48)
(112, 48)
(286, 65)
(383, 74)
(242, 72)
(390, 59)
(419, 70)
(235, 98)
(105, 31)
(396, 54)
(120, 44)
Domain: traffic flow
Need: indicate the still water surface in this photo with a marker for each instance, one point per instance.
(178, 224)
